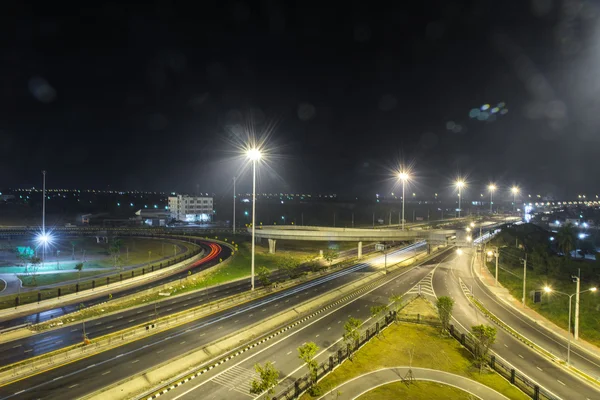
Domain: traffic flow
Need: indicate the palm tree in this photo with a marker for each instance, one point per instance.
(566, 239)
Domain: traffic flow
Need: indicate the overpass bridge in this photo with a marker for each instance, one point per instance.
(320, 233)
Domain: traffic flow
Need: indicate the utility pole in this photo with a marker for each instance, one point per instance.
(334, 220)
(234, 205)
(497, 254)
(576, 330)
(390, 219)
(524, 277)
(302, 216)
(353, 220)
(373, 220)
(44, 220)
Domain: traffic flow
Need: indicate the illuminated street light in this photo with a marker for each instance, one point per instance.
(459, 184)
(459, 251)
(403, 176)
(254, 155)
(490, 253)
(548, 289)
(515, 191)
(491, 188)
(472, 224)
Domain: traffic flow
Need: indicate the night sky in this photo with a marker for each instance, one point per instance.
(156, 97)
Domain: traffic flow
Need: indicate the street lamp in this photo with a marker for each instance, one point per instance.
(403, 176)
(515, 191)
(254, 155)
(459, 184)
(492, 187)
(570, 296)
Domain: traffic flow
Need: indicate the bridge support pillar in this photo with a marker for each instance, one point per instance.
(272, 243)
(359, 250)
(428, 248)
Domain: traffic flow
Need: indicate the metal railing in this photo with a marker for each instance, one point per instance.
(342, 351)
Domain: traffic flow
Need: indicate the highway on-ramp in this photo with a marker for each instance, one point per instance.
(548, 374)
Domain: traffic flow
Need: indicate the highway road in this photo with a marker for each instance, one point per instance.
(231, 380)
(69, 307)
(17, 350)
(445, 282)
(84, 376)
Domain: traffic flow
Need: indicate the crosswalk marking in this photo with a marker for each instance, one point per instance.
(236, 378)
(424, 286)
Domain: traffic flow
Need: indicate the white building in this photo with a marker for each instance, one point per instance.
(191, 208)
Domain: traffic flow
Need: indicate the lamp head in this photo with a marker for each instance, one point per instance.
(403, 176)
(547, 289)
(254, 154)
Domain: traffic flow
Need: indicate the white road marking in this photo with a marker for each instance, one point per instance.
(539, 368)
(160, 351)
(521, 356)
(562, 383)
(72, 386)
(106, 373)
(14, 347)
(288, 353)
(505, 346)
(109, 327)
(317, 336)
(182, 342)
(133, 362)
(27, 351)
(74, 330)
(131, 320)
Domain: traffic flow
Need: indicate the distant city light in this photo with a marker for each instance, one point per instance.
(582, 236)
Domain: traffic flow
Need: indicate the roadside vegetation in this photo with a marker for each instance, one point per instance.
(406, 344)
(547, 266)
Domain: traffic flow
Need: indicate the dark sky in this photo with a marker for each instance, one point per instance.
(152, 97)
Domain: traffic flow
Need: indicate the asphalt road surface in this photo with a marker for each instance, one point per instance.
(546, 373)
(90, 374)
(231, 380)
(67, 308)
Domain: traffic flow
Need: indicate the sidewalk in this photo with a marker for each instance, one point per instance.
(503, 294)
(361, 384)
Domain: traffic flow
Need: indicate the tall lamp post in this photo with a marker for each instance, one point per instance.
(233, 205)
(570, 296)
(403, 176)
(492, 187)
(254, 155)
(459, 184)
(515, 191)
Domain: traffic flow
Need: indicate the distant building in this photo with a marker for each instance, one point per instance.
(153, 217)
(191, 208)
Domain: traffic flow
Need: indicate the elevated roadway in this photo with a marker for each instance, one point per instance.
(320, 233)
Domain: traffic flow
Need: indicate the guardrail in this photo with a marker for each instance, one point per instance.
(36, 296)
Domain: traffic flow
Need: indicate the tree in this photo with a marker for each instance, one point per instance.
(484, 336)
(396, 300)
(307, 353)
(444, 306)
(377, 311)
(79, 267)
(566, 239)
(264, 276)
(351, 333)
(329, 255)
(268, 379)
(290, 266)
(32, 267)
(114, 249)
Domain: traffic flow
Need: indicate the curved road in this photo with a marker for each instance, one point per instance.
(82, 377)
(538, 368)
(358, 386)
(41, 316)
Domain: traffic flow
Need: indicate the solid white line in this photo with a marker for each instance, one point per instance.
(299, 330)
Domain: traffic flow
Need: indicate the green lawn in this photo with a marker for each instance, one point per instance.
(48, 279)
(239, 266)
(555, 307)
(430, 350)
(418, 390)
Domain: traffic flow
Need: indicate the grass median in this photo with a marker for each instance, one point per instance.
(555, 307)
(418, 390)
(406, 344)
